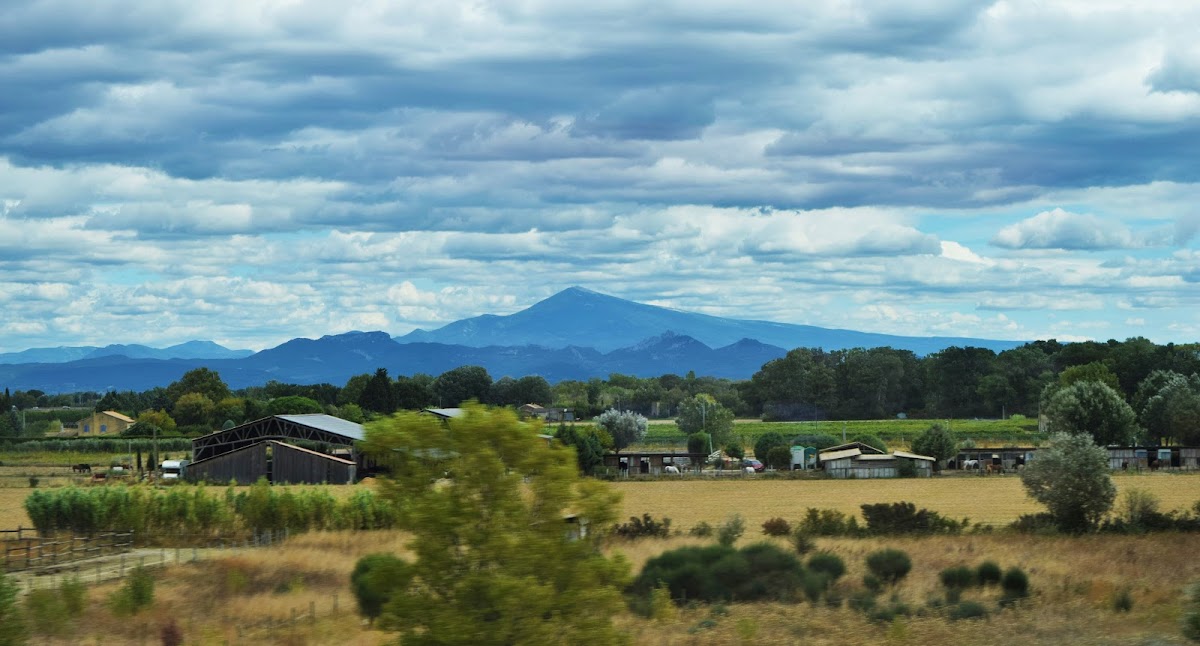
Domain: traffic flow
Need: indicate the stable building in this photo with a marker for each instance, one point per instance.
(852, 462)
(291, 449)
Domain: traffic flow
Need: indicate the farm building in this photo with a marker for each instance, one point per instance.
(443, 413)
(294, 449)
(108, 422)
(653, 462)
(854, 463)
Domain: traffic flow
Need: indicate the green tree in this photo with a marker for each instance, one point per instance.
(194, 409)
(493, 562)
(766, 442)
(1071, 478)
(293, 405)
(936, 442)
(1095, 409)
(377, 395)
(461, 384)
(201, 380)
(703, 414)
(588, 442)
(623, 426)
(150, 422)
(1171, 407)
(414, 393)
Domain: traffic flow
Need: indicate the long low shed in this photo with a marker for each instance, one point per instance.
(276, 461)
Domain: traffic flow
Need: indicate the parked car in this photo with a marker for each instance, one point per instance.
(751, 462)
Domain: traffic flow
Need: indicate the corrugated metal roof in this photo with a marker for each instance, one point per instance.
(837, 455)
(876, 456)
(327, 423)
(914, 456)
(444, 412)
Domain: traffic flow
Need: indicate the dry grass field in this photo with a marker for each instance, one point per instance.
(1074, 580)
(991, 500)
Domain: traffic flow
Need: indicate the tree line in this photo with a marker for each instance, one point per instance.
(1157, 382)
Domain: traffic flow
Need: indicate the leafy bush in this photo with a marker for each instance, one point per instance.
(988, 573)
(957, 577)
(872, 583)
(644, 527)
(827, 564)
(715, 573)
(885, 519)
(731, 530)
(802, 542)
(776, 527)
(779, 457)
(828, 522)
(1040, 523)
(375, 578)
(701, 529)
(968, 610)
(136, 594)
(1122, 600)
(1015, 584)
(768, 441)
(890, 565)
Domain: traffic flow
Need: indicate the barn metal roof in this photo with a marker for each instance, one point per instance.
(327, 423)
(445, 412)
(914, 456)
(837, 455)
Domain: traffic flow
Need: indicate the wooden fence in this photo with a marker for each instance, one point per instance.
(24, 549)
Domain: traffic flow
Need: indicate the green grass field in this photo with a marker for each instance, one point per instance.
(896, 432)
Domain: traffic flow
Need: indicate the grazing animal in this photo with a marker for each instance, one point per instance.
(671, 468)
(995, 468)
(81, 468)
(749, 470)
(970, 464)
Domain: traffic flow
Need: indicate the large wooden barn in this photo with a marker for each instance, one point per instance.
(295, 449)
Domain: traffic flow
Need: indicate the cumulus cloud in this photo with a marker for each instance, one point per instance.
(1059, 229)
(185, 165)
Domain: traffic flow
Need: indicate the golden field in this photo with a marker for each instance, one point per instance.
(991, 500)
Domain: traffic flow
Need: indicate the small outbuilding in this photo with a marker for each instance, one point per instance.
(852, 462)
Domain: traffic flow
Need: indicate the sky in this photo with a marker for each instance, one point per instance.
(250, 172)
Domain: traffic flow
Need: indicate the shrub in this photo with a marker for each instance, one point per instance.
(968, 610)
(171, 634)
(731, 530)
(33, 482)
(12, 624)
(702, 529)
(904, 518)
(779, 457)
(1015, 584)
(802, 542)
(988, 573)
(136, 594)
(715, 573)
(375, 578)
(73, 593)
(1041, 523)
(1122, 600)
(958, 577)
(776, 527)
(827, 564)
(890, 565)
(828, 522)
(872, 583)
(44, 610)
(644, 527)
(768, 441)
(735, 451)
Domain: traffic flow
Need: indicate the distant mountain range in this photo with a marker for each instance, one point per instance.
(575, 334)
(188, 350)
(582, 317)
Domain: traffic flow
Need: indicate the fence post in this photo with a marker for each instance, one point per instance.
(312, 612)
(122, 566)
(97, 573)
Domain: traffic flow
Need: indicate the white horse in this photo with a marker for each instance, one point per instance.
(970, 464)
(749, 470)
(671, 468)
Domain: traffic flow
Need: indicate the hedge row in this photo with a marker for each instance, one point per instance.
(202, 511)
